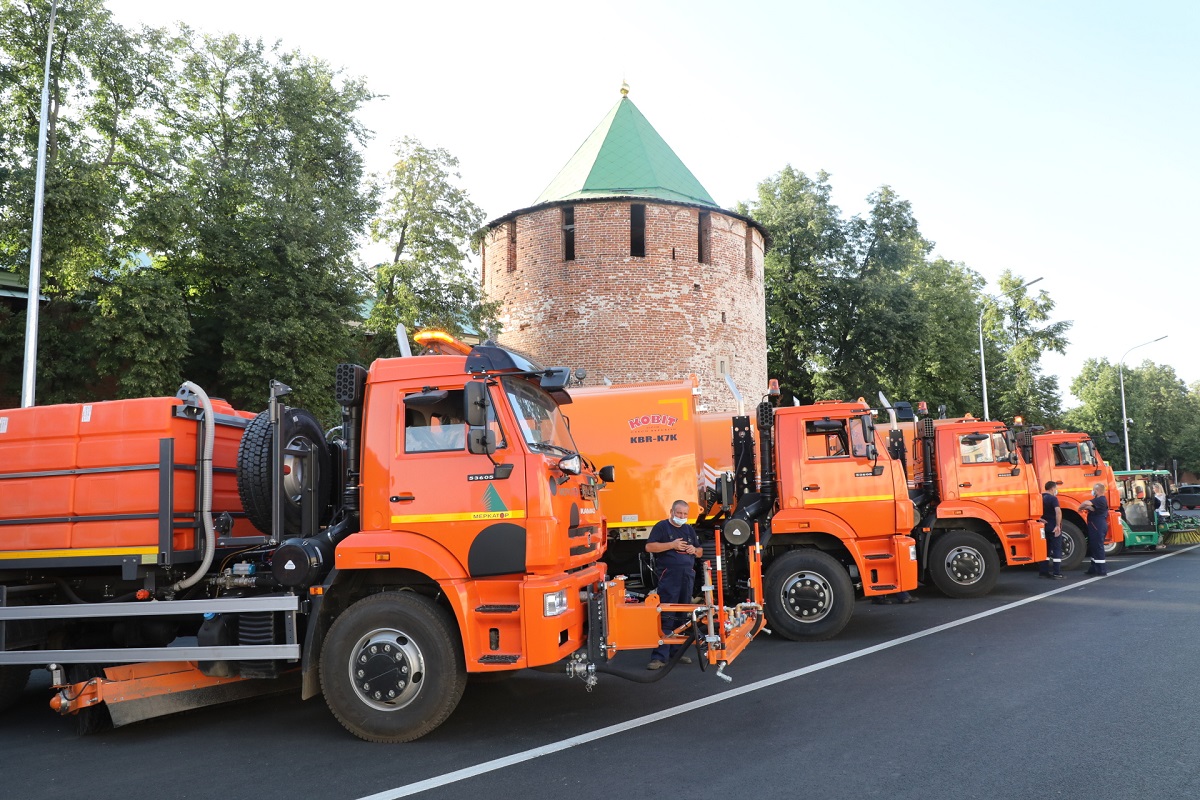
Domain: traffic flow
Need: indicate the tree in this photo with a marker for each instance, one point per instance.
(100, 74)
(807, 240)
(855, 306)
(1162, 410)
(428, 222)
(1018, 326)
(943, 339)
(256, 214)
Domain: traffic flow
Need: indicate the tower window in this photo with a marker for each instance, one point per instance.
(637, 230)
(703, 236)
(568, 233)
(512, 245)
(749, 252)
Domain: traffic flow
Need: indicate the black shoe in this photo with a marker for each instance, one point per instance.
(656, 664)
(1058, 576)
(907, 600)
(882, 600)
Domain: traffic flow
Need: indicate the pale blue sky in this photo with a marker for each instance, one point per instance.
(1058, 140)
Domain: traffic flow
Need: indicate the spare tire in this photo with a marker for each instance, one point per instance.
(254, 469)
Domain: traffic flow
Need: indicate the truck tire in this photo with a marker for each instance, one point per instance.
(809, 596)
(1074, 545)
(392, 667)
(1115, 548)
(13, 678)
(963, 564)
(254, 468)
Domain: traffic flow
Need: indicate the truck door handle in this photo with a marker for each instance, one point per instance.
(963, 485)
(812, 488)
(402, 498)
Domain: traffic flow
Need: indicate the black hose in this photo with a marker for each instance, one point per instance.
(74, 598)
(642, 677)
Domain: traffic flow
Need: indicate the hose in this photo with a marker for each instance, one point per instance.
(206, 489)
(642, 677)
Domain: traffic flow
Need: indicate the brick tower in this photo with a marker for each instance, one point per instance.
(625, 266)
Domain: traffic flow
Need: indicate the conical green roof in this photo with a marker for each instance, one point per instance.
(625, 157)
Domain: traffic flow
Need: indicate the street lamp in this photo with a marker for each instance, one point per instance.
(29, 370)
(982, 363)
(1124, 415)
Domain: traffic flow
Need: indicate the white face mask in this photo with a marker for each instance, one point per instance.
(678, 521)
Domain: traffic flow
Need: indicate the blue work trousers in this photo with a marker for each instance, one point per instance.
(1096, 551)
(1053, 565)
(674, 586)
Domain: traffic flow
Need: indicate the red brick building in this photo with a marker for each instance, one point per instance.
(626, 266)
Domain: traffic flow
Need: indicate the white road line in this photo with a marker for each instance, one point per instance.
(621, 727)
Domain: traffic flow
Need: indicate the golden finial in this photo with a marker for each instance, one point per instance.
(624, 89)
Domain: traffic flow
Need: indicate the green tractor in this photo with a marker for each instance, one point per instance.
(1144, 524)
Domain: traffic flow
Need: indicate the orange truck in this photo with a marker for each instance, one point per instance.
(452, 529)
(978, 507)
(1071, 460)
(830, 506)
(844, 507)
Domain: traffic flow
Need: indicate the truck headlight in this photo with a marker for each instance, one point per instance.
(912, 552)
(554, 603)
(572, 465)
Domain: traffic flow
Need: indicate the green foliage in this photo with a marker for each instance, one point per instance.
(428, 222)
(1017, 326)
(235, 166)
(855, 306)
(1163, 410)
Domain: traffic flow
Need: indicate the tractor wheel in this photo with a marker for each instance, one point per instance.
(392, 667)
(809, 596)
(964, 564)
(254, 468)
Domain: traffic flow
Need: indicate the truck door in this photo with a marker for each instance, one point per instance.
(439, 490)
(983, 473)
(837, 477)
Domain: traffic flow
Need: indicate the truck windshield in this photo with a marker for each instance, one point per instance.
(541, 423)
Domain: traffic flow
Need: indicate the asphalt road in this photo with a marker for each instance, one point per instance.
(1080, 688)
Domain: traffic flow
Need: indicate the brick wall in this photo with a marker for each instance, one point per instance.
(658, 317)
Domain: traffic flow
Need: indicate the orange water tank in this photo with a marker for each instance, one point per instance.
(88, 479)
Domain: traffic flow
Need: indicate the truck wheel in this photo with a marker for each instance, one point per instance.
(964, 564)
(13, 678)
(1114, 548)
(809, 596)
(1074, 545)
(254, 468)
(392, 667)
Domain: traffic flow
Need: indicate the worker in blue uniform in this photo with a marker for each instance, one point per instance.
(1097, 528)
(1052, 522)
(676, 547)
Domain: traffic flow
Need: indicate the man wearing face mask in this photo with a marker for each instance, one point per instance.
(675, 547)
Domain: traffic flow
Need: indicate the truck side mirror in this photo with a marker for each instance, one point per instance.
(477, 404)
(481, 441)
(608, 474)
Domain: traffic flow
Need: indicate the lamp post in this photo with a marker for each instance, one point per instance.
(29, 372)
(982, 362)
(1124, 415)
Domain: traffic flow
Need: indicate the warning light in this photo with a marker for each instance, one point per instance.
(922, 407)
(773, 387)
(441, 343)
(1018, 420)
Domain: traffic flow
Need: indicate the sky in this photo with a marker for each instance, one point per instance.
(1059, 140)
